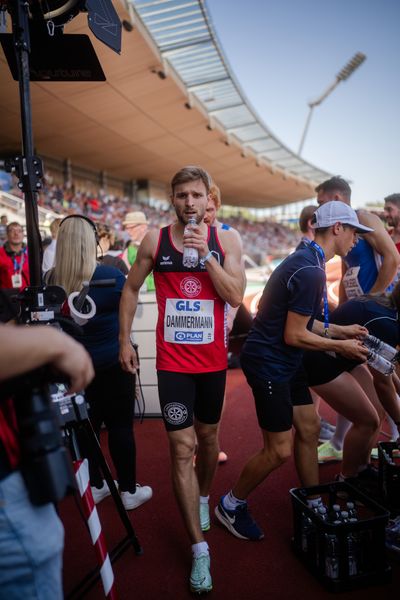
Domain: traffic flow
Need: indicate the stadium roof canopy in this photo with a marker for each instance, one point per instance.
(170, 99)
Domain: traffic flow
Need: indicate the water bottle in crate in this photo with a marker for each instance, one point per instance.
(343, 545)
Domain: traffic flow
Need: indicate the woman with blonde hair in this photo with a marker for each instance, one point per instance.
(112, 392)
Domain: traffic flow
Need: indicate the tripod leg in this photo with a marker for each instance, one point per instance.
(106, 572)
(96, 451)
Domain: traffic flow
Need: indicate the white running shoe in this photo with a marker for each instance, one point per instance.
(100, 493)
(142, 494)
(200, 577)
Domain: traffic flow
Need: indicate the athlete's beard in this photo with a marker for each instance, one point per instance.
(393, 222)
(181, 219)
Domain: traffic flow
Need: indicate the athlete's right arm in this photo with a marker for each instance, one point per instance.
(142, 266)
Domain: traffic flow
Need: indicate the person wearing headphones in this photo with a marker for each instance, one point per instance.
(111, 395)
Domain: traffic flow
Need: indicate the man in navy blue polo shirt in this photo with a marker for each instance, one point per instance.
(284, 327)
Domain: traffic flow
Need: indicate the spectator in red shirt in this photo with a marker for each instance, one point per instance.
(14, 267)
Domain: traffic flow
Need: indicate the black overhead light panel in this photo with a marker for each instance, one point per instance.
(56, 56)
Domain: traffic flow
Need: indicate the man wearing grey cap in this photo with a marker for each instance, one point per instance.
(284, 327)
(369, 268)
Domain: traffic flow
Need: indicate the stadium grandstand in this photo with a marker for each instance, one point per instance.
(170, 98)
(156, 112)
(109, 148)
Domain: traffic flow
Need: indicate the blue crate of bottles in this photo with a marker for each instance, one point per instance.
(341, 538)
(389, 475)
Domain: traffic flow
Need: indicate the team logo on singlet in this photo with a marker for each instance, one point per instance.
(166, 260)
(190, 286)
(175, 413)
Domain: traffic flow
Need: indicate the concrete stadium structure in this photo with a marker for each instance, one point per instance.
(170, 99)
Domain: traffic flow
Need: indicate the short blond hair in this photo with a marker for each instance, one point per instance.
(54, 225)
(191, 173)
(306, 215)
(215, 195)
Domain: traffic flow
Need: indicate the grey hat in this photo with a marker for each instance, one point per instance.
(338, 212)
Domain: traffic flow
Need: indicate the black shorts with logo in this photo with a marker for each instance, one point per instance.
(275, 400)
(184, 396)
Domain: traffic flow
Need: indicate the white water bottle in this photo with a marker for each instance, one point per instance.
(381, 348)
(377, 362)
(190, 255)
(331, 556)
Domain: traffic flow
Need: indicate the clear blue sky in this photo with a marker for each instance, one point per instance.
(285, 53)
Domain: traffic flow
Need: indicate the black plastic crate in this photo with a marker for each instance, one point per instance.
(389, 475)
(346, 555)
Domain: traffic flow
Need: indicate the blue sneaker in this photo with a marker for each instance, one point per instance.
(239, 522)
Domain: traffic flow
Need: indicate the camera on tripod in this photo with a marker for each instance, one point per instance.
(41, 413)
(43, 406)
(45, 464)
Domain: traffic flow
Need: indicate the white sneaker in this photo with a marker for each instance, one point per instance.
(142, 494)
(200, 577)
(100, 493)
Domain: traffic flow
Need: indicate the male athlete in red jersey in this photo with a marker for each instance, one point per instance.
(191, 345)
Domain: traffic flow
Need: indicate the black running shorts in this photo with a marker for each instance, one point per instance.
(275, 401)
(187, 395)
(322, 368)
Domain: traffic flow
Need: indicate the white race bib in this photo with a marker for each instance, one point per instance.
(189, 321)
(351, 284)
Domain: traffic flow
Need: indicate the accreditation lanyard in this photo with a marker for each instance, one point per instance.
(321, 253)
(18, 265)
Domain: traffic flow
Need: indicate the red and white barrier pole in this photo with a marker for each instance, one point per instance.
(81, 468)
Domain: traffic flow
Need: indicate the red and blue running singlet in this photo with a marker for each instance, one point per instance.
(191, 327)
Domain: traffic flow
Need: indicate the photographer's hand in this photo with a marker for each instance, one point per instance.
(27, 348)
(75, 362)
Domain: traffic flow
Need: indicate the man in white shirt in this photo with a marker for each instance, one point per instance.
(50, 252)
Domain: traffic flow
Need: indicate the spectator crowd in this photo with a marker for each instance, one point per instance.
(261, 239)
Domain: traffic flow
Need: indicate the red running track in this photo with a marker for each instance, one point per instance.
(241, 570)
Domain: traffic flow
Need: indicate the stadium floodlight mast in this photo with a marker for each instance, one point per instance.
(344, 74)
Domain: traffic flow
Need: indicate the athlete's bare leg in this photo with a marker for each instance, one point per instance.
(207, 455)
(307, 425)
(277, 449)
(346, 396)
(184, 480)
